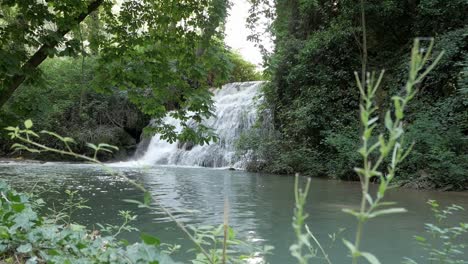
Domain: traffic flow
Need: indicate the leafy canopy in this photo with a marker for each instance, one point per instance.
(163, 54)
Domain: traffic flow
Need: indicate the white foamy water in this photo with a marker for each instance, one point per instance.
(235, 112)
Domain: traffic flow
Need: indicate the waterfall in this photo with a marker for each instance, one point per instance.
(235, 112)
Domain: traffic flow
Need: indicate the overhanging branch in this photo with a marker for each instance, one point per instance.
(12, 83)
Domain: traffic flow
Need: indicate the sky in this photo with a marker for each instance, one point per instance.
(237, 32)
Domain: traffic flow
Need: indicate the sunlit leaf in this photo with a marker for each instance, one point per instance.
(149, 239)
(104, 145)
(370, 258)
(350, 246)
(91, 145)
(28, 124)
(132, 201)
(11, 128)
(387, 211)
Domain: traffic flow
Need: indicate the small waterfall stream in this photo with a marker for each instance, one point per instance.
(235, 112)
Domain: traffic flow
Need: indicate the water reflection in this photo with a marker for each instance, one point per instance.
(260, 207)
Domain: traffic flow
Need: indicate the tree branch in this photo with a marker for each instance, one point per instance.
(12, 83)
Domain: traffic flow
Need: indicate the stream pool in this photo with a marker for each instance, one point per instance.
(260, 207)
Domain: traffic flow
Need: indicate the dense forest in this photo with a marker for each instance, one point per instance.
(309, 118)
(91, 83)
(314, 103)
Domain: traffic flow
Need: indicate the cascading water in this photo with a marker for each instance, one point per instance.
(235, 112)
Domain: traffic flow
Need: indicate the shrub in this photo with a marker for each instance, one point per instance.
(64, 103)
(27, 237)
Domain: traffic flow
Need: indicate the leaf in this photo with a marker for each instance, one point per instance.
(28, 123)
(369, 198)
(77, 228)
(387, 211)
(407, 152)
(106, 150)
(24, 248)
(18, 146)
(104, 145)
(18, 207)
(368, 131)
(30, 132)
(352, 212)
(69, 140)
(383, 147)
(53, 252)
(4, 233)
(388, 121)
(149, 239)
(409, 261)
(398, 108)
(53, 134)
(132, 201)
(91, 145)
(372, 121)
(371, 258)
(420, 238)
(147, 198)
(350, 246)
(364, 115)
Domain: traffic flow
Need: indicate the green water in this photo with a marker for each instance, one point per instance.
(260, 208)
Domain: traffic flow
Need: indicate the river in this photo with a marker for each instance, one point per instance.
(260, 208)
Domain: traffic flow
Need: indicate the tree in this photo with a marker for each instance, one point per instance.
(312, 97)
(159, 51)
(242, 70)
(26, 30)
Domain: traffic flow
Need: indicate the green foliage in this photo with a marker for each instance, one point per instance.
(302, 238)
(161, 55)
(206, 239)
(344, 157)
(374, 151)
(387, 145)
(444, 244)
(28, 237)
(242, 70)
(65, 104)
(439, 159)
(212, 237)
(72, 204)
(28, 138)
(166, 55)
(265, 150)
(313, 107)
(148, 59)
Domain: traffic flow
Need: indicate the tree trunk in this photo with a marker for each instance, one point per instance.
(12, 83)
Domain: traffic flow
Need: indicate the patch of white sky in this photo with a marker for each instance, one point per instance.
(237, 33)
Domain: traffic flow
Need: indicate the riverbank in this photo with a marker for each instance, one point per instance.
(261, 205)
